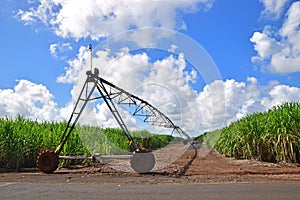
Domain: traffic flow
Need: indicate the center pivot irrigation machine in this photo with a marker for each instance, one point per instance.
(142, 160)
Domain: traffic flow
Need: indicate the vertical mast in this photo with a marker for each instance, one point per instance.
(90, 49)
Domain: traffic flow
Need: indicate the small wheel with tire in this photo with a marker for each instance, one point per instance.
(48, 161)
(142, 162)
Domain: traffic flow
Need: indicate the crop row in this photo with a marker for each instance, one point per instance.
(22, 139)
(272, 136)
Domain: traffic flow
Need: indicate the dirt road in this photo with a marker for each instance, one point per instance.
(209, 177)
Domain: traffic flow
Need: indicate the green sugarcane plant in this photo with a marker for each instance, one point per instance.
(22, 139)
(272, 136)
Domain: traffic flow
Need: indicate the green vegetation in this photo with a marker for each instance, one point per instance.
(151, 141)
(22, 139)
(209, 138)
(111, 141)
(272, 136)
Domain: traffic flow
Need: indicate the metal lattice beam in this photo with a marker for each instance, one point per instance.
(142, 108)
(111, 93)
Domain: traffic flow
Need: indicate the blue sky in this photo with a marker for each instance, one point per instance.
(255, 45)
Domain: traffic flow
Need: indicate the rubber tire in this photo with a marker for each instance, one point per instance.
(48, 161)
(142, 162)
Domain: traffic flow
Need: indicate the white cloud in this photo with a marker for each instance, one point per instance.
(280, 94)
(97, 18)
(168, 88)
(58, 48)
(44, 12)
(74, 67)
(52, 49)
(172, 48)
(265, 45)
(241, 98)
(273, 8)
(28, 99)
(278, 50)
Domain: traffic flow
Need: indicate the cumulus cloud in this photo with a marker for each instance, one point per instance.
(280, 94)
(241, 98)
(74, 67)
(97, 18)
(58, 48)
(278, 50)
(30, 100)
(273, 8)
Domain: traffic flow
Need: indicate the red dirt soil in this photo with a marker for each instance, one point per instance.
(187, 169)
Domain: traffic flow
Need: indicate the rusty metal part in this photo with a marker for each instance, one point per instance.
(48, 161)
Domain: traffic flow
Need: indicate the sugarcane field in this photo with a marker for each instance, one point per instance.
(150, 99)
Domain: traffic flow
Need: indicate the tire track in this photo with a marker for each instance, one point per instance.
(179, 167)
(172, 160)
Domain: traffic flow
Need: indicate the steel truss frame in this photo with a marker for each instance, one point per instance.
(111, 93)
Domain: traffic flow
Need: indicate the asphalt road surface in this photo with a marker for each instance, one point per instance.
(55, 191)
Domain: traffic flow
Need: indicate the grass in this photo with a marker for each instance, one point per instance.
(22, 139)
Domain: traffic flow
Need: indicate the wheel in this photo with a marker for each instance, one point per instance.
(47, 161)
(142, 162)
